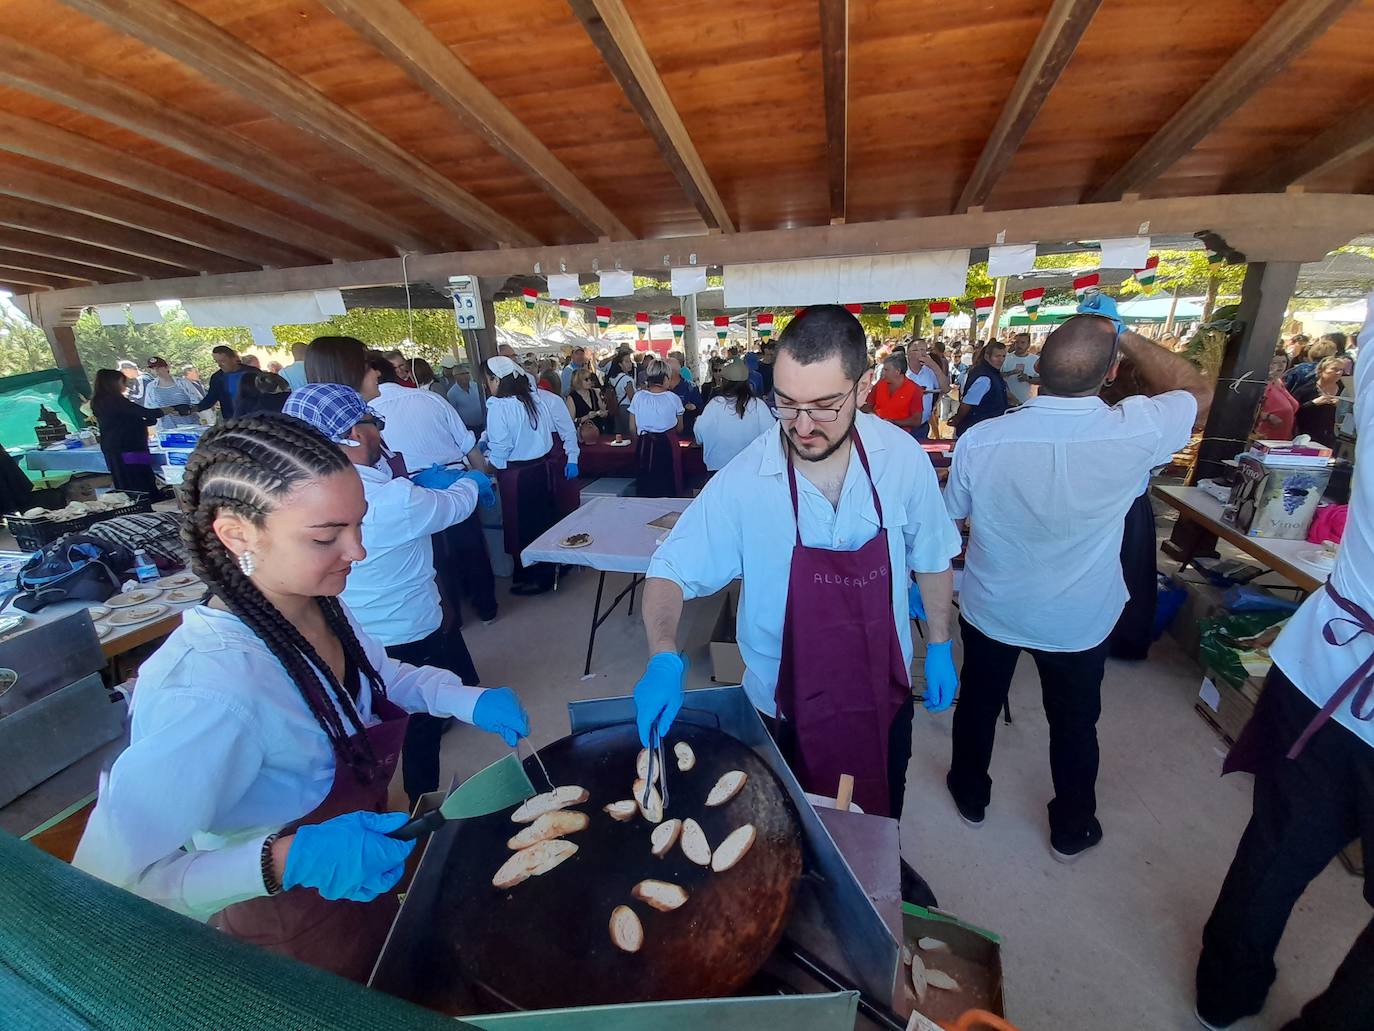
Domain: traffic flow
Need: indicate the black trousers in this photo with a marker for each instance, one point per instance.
(1071, 685)
(1130, 638)
(464, 567)
(1305, 811)
(420, 754)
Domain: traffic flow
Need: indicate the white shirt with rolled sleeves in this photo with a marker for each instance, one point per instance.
(1045, 489)
(723, 434)
(924, 377)
(224, 751)
(1315, 667)
(741, 525)
(1017, 363)
(511, 436)
(392, 591)
(422, 426)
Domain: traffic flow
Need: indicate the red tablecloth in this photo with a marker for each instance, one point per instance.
(600, 459)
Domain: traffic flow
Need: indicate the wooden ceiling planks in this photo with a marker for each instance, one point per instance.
(112, 262)
(30, 262)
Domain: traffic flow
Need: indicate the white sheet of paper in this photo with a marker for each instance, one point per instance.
(617, 283)
(1011, 260)
(686, 281)
(564, 285)
(1209, 694)
(262, 336)
(1125, 252)
(846, 280)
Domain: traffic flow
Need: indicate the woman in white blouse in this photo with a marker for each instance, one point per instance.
(536, 476)
(655, 422)
(266, 728)
(732, 419)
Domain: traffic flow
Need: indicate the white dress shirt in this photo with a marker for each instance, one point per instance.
(924, 377)
(741, 525)
(1316, 667)
(512, 437)
(392, 591)
(655, 412)
(422, 426)
(723, 434)
(468, 404)
(557, 411)
(1014, 363)
(1045, 489)
(223, 751)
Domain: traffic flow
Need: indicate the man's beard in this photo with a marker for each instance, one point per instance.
(834, 446)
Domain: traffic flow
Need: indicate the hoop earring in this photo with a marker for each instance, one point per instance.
(247, 563)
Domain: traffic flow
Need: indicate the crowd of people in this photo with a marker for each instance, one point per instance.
(1305, 386)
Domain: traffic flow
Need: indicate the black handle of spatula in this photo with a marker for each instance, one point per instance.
(412, 829)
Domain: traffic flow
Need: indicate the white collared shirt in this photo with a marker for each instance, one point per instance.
(1318, 668)
(741, 525)
(655, 412)
(1045, 489)
(422, 426)
(924, 377)
(392, 591)
(1029, 363)
(513, 438)
(723, 434)
(223, 751)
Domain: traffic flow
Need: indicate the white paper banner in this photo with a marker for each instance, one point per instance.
(564, 285)
(262, 336)
(264, 309)
(846, 280)
(112, 314)
(617, 283)
(688, 281)
(1125, 252)
(1011, 260)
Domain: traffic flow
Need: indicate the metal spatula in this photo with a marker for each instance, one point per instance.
(502, 784)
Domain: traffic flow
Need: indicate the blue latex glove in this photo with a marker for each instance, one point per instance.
(436, 477)
(570, 471)
(484, 445)
(498, 711)
(486, 497)
(941, 680)
(915, 608)
(658, 695)
(1101, 304)
(348, 857)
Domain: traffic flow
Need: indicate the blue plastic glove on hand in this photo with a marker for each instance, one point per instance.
(484, 445)
(658, 695)
(436, 477)
(348, 857)
(486, 497)
(570, 471)
(498, 711)
(915, 608)
(941, 680)
(1101, 304)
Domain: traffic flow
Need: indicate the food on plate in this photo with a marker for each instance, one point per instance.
(653, 811)
(531, 862)
(626, 931)
(558, 798)
(642, 764)
(664, 837)
(732, 849)
(549, 826)
(622, 811)
(939, 979)
(918, 977)
(662, 895)
(576, 540)
(932, 945)
(727, 787)
(686, 758)
(694, 844)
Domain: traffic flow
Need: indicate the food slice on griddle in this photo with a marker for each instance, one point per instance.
(626, 931)
(686, 758)
(559, 798)
(549, 826)
(533, 861)
(694, 844)
(662, 895)
(622, 811)
(653, 810)
(665, 836)
(726, 788)
(732, 849)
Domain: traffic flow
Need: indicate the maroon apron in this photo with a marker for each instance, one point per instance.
(842, 678)
(531, 481)
(567, 494)
(340, 936)
(659, 465)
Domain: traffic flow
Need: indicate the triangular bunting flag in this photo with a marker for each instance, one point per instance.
(679, 324)
(642, 323)
(763, 323)
(530, 295)
(565, 308)
(722, 327)
(939, 311)
(603, 317)
(896, 315)
(1213, 258)
(1031, 299)
(854, 309)
(982, 306)
(1083, 284)
(1146, 276)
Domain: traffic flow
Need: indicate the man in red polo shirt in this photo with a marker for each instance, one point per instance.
(895, 398)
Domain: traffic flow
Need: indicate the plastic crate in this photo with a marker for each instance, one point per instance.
(34, 534)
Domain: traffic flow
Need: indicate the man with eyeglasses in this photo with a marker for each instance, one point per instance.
(1045, 489)
(823, 517)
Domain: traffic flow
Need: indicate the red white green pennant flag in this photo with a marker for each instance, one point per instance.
(642, 323)
(982, 306)
(722, 327)
(530, 295)
(896, 315)
(939, 311)
(1031, 299)
(1146, 276)
(603, 317)
(763, 323)
(1083, 284)
(854, 309)
(679, 324)
(1213, 258)
(565, 308)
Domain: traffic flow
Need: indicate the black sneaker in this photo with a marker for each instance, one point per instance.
(1209, 1025)
(970, 815)
(1066, 848)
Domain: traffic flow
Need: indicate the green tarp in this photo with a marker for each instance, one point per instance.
(21, 396)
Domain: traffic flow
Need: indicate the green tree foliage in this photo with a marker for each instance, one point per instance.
(23, 347)
(1191, 274)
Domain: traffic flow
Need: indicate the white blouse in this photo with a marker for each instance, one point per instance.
(655, 412)
(724, 434)
(512, 438)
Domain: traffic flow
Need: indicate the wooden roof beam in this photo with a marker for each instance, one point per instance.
(391, 27)
(835, 73)
(82, 154)
(84, 254)
(1348, 139)
(23, 277)
(206, 48)
(57, 267)
(99, 96)
(1063, 27)
(31, 184)
(614, 34)
(41, 218)
(1286, 34)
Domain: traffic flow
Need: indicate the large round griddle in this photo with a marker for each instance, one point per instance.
(546, 942)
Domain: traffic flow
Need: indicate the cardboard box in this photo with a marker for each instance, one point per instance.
(1224, 707)
(727, 665)
(1276, 499)
(1203, 602)
(972, 956)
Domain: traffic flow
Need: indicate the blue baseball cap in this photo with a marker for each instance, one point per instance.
(331, 408)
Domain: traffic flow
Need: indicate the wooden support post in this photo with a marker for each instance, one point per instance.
(1173, 309)
(62, 340)
(690, 347)
(999, 294)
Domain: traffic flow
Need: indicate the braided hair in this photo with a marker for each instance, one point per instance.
(246, 466)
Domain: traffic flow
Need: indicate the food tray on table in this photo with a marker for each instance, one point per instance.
(34, 533)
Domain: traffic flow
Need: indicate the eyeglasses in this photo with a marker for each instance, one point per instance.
(373, 420)
(787, 413)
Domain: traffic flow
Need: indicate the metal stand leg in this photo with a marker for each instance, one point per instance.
(1006, 711)
(596, 622)
(634, 582)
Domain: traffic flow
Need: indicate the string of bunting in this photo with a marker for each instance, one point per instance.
(530, 296)
(1031, 299)
(722, 327)
(565, 308)
(679, 325)
(896, 315)
(763, 324)
(603, 317)
(642, 323)
(1146, 276)
(939, 312)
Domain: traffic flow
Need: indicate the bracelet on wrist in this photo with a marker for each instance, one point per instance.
(269, 873)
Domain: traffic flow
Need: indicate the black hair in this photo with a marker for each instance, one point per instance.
(386, 372)
(823, 330)
(247, 466)
(223, 349)
(1339, 339)
(898, 359)
(422, 371)
(336, 359)
(108, 383)
(742, 392)
(517, 385)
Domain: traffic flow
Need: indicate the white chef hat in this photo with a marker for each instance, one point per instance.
(501, 367)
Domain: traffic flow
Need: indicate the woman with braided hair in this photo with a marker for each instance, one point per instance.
(266, 729)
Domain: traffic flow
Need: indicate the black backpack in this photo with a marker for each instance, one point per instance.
(75, 568)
